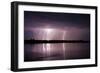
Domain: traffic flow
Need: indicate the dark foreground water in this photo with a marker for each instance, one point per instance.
(56, 51)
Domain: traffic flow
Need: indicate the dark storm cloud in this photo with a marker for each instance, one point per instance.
(35, 19)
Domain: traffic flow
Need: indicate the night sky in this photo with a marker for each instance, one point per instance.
(56, 19)
(56, 26)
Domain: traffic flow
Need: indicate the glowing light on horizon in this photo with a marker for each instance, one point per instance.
(46, 47)
(49, 33)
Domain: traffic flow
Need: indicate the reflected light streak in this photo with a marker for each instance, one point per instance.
(47, 36)
(64, 51)
(46, 47)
